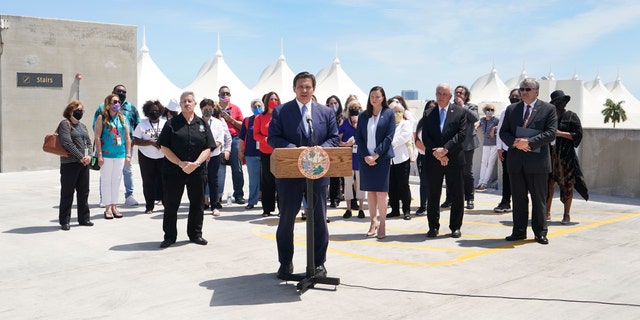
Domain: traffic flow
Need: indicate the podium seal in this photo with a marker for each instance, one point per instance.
(313, 162)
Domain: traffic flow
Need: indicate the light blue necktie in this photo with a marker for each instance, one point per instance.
(442, 115)
(304, 119)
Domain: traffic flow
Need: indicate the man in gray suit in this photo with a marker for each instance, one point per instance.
(529, 127)
(469, 145)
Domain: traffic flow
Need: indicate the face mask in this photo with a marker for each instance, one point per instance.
(77, 114)
(399, 117)
(154, 115)
(560, 105)
(353, 112)
(335, 108)
(489, 113)
(225, 98)
(514, 99)
(115, 107)
(272, 104)
(122, 95)
(257, 111)
(207, 113)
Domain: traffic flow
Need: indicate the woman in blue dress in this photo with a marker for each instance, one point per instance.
(374, 133)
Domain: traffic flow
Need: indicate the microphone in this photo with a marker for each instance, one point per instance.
(311, 133)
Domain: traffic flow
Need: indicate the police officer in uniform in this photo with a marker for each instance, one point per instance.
(186, 142)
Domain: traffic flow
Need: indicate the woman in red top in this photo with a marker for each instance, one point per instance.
(260, 133)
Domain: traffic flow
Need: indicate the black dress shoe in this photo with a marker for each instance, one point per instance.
(393, 214)
(456, 234)
(65, 227)
(407, 216)
(87, 223)
(516, 237)
(347, 214)
(469, 204)
(320, 271)
(199, 240)
(542, 239)
(332, 204)
(167, 243)
(285, 270)
(432, 233)
(249, 207)
(446, 204)
(360, 214)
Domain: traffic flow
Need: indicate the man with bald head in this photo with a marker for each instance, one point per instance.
(442, 135)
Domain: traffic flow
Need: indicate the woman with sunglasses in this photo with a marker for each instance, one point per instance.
(113, 146)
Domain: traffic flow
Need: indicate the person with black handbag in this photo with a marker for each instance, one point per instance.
(74, 170)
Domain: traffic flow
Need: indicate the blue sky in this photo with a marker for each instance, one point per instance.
(399, 44)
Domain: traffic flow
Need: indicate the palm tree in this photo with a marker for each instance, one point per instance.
(614, 112)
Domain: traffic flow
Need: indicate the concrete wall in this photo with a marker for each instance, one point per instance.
(105, 55)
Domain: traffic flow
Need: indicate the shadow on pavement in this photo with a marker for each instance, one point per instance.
(253, 289)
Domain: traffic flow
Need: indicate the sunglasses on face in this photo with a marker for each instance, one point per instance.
(121, 91)
(222, 94)
(115, 101)
(526, 89)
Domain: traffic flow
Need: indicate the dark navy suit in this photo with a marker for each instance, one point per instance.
(451, 138)
(286, 130)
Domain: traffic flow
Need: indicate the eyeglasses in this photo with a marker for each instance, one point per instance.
(121, 91)
(526, 89)
(115, 101)
(222, 94)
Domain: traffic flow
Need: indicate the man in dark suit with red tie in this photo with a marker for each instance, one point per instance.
(528, 128)
(289, 128)
(442, 135)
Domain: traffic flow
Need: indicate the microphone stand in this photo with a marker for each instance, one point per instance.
(309, 281)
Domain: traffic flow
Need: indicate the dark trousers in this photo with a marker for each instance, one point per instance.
(74, 177)
(506, 184)
(467, 174)
(334, 189)
(422, 173)
(523, 184)
(453, 176)
(150, 170)
(399, 187)
(268, 184)
(290, 193)
(213, 165)
(174, 185)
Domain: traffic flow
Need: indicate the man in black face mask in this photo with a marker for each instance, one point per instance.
(505, 203)
(133, 118)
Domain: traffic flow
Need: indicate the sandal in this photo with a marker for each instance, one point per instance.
(108, 215)
(117, 214)
(149, 212)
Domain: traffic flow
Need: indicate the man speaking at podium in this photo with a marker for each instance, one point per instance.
(290, 127)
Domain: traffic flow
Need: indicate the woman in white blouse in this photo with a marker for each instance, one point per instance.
(400, 164)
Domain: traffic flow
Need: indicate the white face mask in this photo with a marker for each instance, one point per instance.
(489, 113)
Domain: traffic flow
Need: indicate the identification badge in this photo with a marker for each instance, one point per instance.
(257, 145)
(354, 148)
(118, 141)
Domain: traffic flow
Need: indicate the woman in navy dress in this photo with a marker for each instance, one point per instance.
(376, 127)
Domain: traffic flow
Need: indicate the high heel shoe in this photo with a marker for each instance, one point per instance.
(372, 233)
(381, 235)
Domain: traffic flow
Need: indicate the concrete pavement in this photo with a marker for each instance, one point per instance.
(115, 269)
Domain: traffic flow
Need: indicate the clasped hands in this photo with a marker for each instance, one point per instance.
(441, 154)
(187, 166)
(522, 144)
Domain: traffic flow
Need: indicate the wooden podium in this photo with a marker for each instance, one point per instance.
(284, 164)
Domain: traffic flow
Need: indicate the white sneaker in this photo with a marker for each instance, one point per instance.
(215, 212)
(102, 205)
(130, 201)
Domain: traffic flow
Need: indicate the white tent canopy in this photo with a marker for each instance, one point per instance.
(277, 77)
(490, 89)
(332, 80)
(152, 82)
(219, 74)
